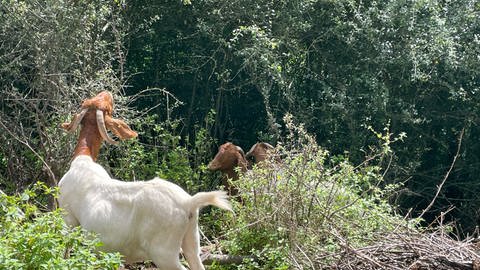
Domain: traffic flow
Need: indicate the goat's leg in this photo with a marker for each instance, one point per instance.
(164, 253)
(70, 220)
(168, 261)
(191, 246)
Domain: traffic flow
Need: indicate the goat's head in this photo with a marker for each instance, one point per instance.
(259, 151)
(96, 118)
(228, 157)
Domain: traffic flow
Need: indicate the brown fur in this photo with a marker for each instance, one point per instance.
(229, 157)
(90, 140)
(259, 151)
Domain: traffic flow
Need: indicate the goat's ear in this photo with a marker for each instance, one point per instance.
(241, 161)
(72, 126)
(119, 128)
(66, 126)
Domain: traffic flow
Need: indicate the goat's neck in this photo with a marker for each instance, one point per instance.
(89, 141)
(231, 174)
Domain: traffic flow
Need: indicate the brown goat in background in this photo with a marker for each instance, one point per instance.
(228, 158)
(259, 152)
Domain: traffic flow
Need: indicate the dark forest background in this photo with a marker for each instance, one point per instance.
(192, 75)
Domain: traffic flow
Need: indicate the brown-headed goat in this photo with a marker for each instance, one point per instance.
(227, 159)
(259, 152)
(143, 220)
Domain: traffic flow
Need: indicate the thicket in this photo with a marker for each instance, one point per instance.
(337, 66)
(31, 238)
(303, 206)
(52, 56)
(190, 75)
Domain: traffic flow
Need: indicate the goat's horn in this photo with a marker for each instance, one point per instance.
(76, 120)
(102, 129)
(249, 153)
(240, 150)
(269, 146)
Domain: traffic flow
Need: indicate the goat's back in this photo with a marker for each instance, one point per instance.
(124, 214)
(131, 217)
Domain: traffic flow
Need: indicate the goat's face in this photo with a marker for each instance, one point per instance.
(96, 118)
(97, 112)
(228, 157)
(259, 152)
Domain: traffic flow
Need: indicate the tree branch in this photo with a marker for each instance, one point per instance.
(439, 188)
(224, 259)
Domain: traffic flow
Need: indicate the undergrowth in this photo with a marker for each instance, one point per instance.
(303, 205)
(295, 211)
(34, 239)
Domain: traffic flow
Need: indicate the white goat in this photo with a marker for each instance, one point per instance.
(141, 220)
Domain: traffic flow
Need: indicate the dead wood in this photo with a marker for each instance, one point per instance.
(207, 259)
(413, 251)
(224, 259)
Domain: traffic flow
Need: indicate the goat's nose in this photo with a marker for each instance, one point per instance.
(212, 166)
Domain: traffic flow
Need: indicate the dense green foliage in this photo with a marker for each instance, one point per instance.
(339, 67)
(31, 239)
(190, 75)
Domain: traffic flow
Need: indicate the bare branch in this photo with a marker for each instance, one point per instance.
(46, 166)
(439, 187)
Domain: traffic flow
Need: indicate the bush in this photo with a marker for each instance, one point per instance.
(30, 239)
(53, 54)
(298, 211)
(160, 151)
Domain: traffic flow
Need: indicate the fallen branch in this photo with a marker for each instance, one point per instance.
(224, 259)
(207, 259)
(413, 251)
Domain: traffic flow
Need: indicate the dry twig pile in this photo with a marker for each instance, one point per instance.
(414, 251)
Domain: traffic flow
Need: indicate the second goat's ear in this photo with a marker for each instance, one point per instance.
(66, 126)
(119, 128)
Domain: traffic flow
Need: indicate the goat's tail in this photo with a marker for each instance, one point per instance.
(216, 198)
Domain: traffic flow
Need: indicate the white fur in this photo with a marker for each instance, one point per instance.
(145, 220)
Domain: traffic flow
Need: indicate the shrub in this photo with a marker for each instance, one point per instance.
(30, 239)
(161, 151)
(299, 211)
